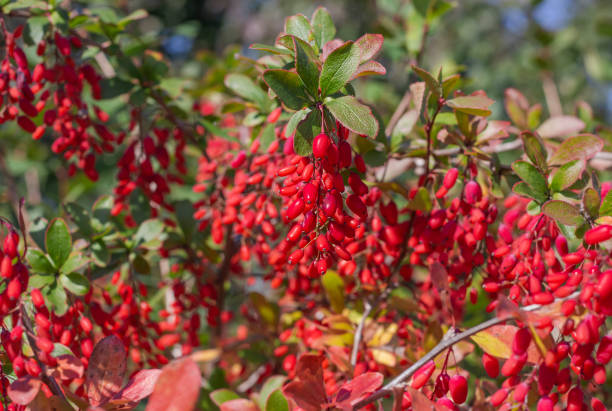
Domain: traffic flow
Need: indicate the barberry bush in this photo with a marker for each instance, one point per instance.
(270, 241)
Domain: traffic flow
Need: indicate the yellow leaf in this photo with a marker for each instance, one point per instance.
(383, 357)
(491, 344)
(206, 355)
(383, 335)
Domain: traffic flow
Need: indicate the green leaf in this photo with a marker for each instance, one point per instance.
(567, 175)
(533, 116)
(323, 27)
(583, 146)
(270, 49)
(149, 231)
(369, 45)
(353, 115)
(267, 136)
(217, 131)
(523, 189)
(298, 26)
(268, 311)
(564, 213)
(516, 107)
(531, 175)
(534, 148)
(338, 68)
(421, 201)
(223, 395)
(39, 262)
(56, 296)
(533, 208)
(41, 280)
(474, 105)
(36, 28)
(272, 384)
(58, 241)
(247, 89)
(73, 263)
(100, 213)
(334, 289)
(277, 402)
(81, 218)
(432, 83)
(306, 131)
(295, 120)
(306, 67)
(606, 205)
(591, 202)
(288, 87)
(76, 283)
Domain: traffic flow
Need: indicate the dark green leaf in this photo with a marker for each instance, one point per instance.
(75, 283)
(583, 146)
(295, 120)
(277, 402)
(298, 26)
(534, 149)
(532, 176)
(38, 261)
(474, 105)
(323, 27)
(36, 28)
(247, 89)
(334, 289)
(353, 115)
(306, 67)
(564, 213)
(432, 83)
(100, 213)
(149, 231)
(81, 218)
(338, 68)
(567, 175)
(591, 202)
(58, 241)
(113, 87)
(288, 87)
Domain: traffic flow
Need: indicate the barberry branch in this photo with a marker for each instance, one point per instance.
(451, 338)
(359, 333)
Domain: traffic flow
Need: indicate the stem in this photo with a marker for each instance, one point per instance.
(449, 339)
(359, 333)
(428, 129)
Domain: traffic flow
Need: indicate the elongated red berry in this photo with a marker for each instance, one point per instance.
(420, 378)
(458, 388)
(450, 178)
(320, 145)
(491, 365)
(598, 234)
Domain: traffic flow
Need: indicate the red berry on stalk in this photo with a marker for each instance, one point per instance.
(320, 145)
(458, 388)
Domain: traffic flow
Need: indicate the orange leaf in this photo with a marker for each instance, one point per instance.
(106, 369)
(177, 387)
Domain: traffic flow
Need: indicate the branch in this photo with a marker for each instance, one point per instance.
(359, 333)
(449, 339)
(230, 250)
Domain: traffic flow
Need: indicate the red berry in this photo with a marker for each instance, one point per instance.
(320, 145)
(458, 388)
(491, 365)
(450, 178)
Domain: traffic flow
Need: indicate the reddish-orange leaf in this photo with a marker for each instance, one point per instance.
(239, 404)
(352, 391)
(106, 369)
(23, 390)
(68, 367)
(177, 387)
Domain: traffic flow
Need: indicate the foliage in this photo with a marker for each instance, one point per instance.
(270, 241)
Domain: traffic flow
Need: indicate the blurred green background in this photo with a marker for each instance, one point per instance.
(556, 52)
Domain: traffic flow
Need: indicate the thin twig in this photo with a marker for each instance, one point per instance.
(450, 338)
(229, 251)
(359, 333)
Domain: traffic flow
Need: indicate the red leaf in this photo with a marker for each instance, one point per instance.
(308, 389)
(422, 403)
(352, 391)
(23, 390)
(68, 367)
(369, 68)
(139, 386)
(582, 146)
(239, 404)
(369, 46)
(177, 387)
(106, 369)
